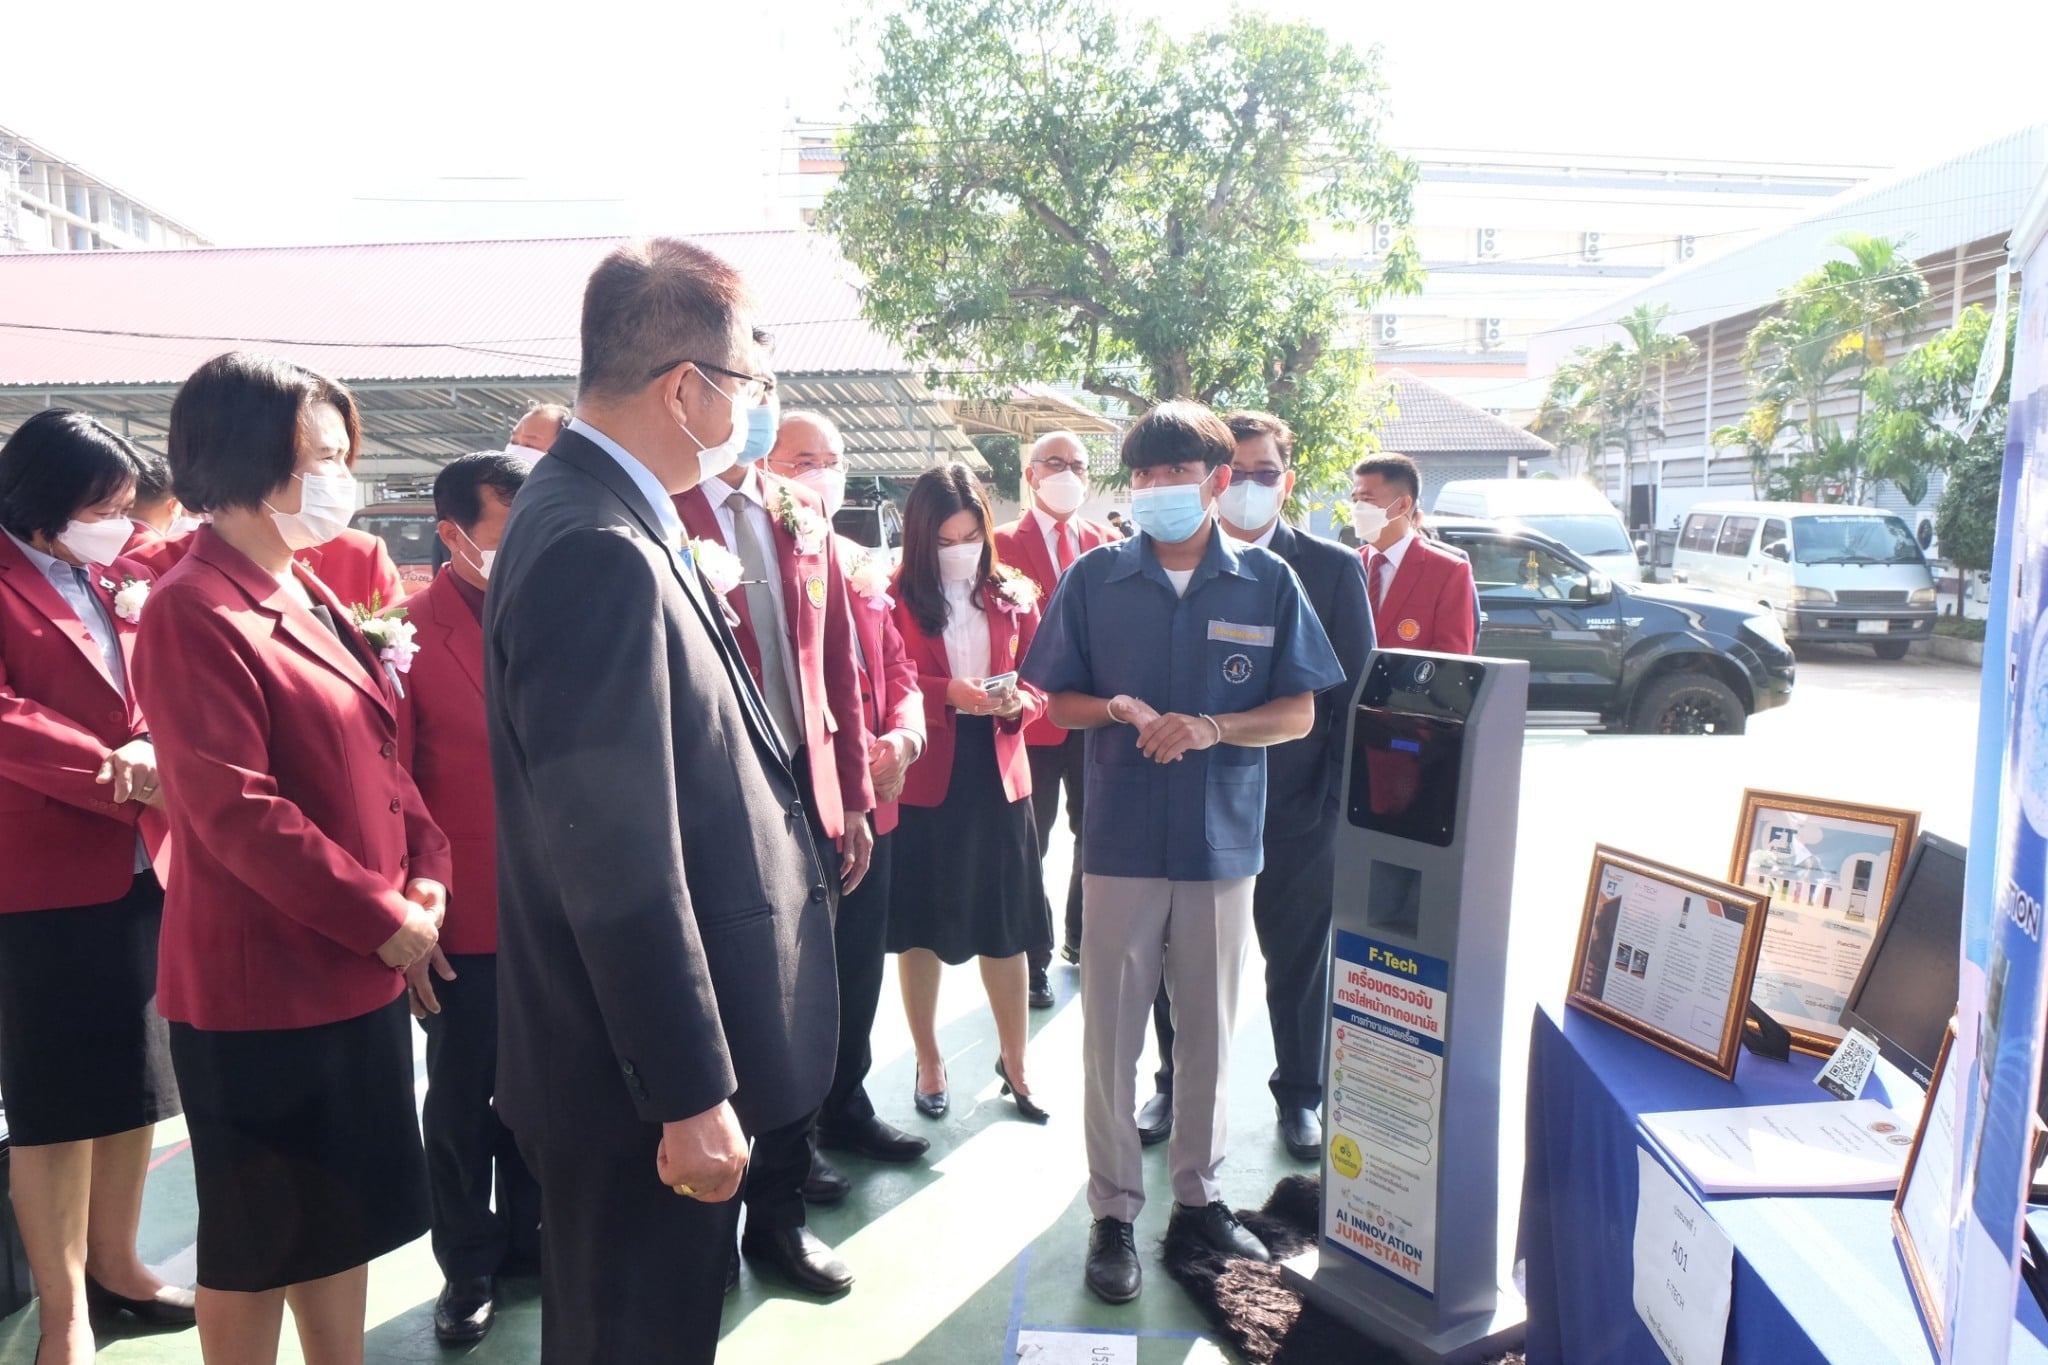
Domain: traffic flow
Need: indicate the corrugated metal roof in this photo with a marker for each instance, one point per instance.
(454, 311)
(1425, 421)
(1980, 194)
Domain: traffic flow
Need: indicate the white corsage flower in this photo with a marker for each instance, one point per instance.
(870, 579)
(1015, 593)
(129, 600)
(804, 523)
(721, 568)
(391, 635)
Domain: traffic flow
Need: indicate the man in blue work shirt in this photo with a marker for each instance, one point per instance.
(1183, 655)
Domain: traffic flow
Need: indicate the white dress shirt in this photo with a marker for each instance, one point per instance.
(1049, 528)
(750, 500)
(966, 633)
(658, 499)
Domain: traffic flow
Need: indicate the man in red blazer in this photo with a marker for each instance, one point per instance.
(795, 631)
(156, 512)
(445, 746)
(1044, 542)
(1422, 595)
(809, 450)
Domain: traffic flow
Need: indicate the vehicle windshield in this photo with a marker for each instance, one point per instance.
(408, 535)
(1588, 534)
(1875, 539)
(862, 525)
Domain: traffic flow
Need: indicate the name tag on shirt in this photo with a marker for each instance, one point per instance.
(1241, 635)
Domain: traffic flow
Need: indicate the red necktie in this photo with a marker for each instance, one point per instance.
(1381, 571)
(1066, 547)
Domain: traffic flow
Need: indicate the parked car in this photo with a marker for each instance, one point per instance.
(1567, 510)
(877, 525)
(407, 530)
(1612, 656)
(1829, 571)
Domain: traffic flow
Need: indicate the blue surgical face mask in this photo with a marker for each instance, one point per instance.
(760, 433)
(1169, 514)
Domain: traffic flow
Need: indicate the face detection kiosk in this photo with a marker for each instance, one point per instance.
(1409, 1240)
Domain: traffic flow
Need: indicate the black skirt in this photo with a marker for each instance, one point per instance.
(83, 1052)
(965, 880)
(305, 1147)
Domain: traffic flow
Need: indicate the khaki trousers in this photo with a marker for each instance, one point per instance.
(1126, 925)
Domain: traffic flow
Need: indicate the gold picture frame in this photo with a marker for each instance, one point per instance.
(1828, 870)
(1928, 1295)
(1647, 910)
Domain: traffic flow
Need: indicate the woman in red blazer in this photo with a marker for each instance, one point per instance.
(84, 1059)
(308, 878)
(965, 881)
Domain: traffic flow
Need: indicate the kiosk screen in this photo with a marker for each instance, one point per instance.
(1404, 775)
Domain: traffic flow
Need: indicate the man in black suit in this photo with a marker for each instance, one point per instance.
(1293, 900)
(665, 969)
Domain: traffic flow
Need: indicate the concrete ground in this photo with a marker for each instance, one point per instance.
(954, 1258)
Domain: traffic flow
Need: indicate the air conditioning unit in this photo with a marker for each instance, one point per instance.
(1489, 242)
(1590, 246)
(1390, 330)
(1382, 237)
(1489, 332)
(1686, 248)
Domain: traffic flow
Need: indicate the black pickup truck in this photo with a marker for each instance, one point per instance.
(1611, 656)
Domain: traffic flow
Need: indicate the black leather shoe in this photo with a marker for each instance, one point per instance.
(875, 1140)
(1302, 1131)
(1155, 1118)
(170, 1308)
(1025, 1106)
(1215, 1224)
(1041, 990)
(1113, 1273)
(798, 1255)
(465, 1311)
(825, 1185)
(932, 1106)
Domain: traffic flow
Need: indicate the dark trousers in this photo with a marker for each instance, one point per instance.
(633, 1271)
(1053, 767)
(470, 1154)
(859, 936)
(1291, 908)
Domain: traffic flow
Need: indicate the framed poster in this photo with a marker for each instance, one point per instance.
(1926, 1200)
(1668, 956)
(1828, 869)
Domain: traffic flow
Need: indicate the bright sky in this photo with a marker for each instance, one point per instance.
(261, 123)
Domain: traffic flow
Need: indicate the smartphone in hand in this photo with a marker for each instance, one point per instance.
(1001, 683)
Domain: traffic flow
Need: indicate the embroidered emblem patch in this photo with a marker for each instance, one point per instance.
(814, 588)
(1409, 629)
(1237, 669)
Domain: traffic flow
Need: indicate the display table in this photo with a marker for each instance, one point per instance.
(1817, 1280)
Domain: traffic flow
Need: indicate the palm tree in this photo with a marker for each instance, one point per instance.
(1877, 293)
(1650, 353)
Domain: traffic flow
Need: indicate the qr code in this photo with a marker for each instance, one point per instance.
(1849, 1068)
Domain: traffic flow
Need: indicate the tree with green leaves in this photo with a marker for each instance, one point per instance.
(1611, 396)
(1045, 190)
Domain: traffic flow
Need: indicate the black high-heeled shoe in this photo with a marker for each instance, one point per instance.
(178, 1310)
(932, 1106)
(1025, 1106)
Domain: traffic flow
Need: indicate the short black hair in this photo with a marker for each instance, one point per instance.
(1244, 424)
(1175, 433)
(1391, 468)
(662, 301)
(235, 428)
(57, 463)
(458, 488)
(153, 484)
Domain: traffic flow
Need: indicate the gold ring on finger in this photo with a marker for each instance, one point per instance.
(684, 1190)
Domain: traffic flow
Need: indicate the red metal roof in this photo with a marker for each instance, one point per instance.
(389, 311)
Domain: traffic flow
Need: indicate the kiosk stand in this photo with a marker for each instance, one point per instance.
(1425, 864)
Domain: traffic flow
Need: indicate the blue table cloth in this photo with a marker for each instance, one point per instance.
(1817, 1280)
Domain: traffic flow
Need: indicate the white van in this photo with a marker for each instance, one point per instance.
(1567, 510)
(1830, 571)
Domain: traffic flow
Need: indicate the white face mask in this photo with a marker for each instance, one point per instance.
(326, 502)
(97, 542)
(482, 562)
(715, 460)
(526, 453)
(1248, 505)
(959, 563)
(1369, 520)
(1062, 493)
(184, 524)
(829, 484)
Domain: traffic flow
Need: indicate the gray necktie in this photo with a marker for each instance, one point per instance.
(762, 582)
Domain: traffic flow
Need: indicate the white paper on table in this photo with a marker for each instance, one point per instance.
(1076, 1348)
(1685, 1268)
(1833, 1147)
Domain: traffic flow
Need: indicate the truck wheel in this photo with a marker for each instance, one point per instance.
(1891, 649)
(1688, 703)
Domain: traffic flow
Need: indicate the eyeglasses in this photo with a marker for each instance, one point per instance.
(758, 386)
(1062, 466)
(1264, 478)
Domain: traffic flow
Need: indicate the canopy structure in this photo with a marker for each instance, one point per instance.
(445, 344)
(1027, 411)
